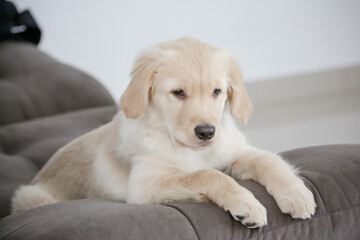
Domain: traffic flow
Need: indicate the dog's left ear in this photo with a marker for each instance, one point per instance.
(135, 99)
(239, 99)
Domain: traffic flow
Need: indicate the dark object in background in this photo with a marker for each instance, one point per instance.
(17, 26)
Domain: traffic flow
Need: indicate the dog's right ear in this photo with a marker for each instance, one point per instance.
(135, 99)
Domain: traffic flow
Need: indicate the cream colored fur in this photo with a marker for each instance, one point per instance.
(149, 152)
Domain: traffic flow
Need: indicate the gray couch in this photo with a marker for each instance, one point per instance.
(45, 104)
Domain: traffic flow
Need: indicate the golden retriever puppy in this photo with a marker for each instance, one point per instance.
(173, 138)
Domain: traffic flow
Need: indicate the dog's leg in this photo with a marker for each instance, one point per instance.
(199, 186)
(277, 176)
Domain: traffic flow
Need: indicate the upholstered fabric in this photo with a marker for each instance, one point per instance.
(34, 85)
(28, 145)
(45, 104)
(331, 172)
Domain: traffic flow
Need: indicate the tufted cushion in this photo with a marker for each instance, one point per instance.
(28, 145)
(34, 85)
(43, 105)
(331, 172)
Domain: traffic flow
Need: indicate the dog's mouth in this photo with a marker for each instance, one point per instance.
(197, 144)
(205, 143)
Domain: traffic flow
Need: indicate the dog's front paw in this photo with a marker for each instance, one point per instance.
(296, 200)
(249, 211)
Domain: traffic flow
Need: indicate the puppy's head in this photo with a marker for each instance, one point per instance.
(187, 84)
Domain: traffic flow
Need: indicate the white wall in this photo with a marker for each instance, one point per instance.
(305, 110)
(269, 38)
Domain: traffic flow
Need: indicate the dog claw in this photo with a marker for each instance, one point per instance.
(239, 217)
(250, 224)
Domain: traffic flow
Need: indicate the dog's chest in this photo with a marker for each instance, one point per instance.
(190, 161)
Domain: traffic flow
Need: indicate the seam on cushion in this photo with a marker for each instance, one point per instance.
(2, 147)
(57, 114)
(31, 102)
(20, 228)
(27, 98)
(187, 217)
(308, 221)
(317, 191)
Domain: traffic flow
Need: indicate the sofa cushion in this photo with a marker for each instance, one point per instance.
(34, 85)
(99, 219)
(27, 146)
(331, 172)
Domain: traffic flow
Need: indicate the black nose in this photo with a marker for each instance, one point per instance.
(205, 132)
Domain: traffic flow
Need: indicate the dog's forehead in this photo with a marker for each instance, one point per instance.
(197, 59)
(193, 69)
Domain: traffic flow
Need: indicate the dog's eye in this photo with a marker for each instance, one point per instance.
(216, 92)
(179, 93)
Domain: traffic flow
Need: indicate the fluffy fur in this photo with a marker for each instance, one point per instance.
(150, 153)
